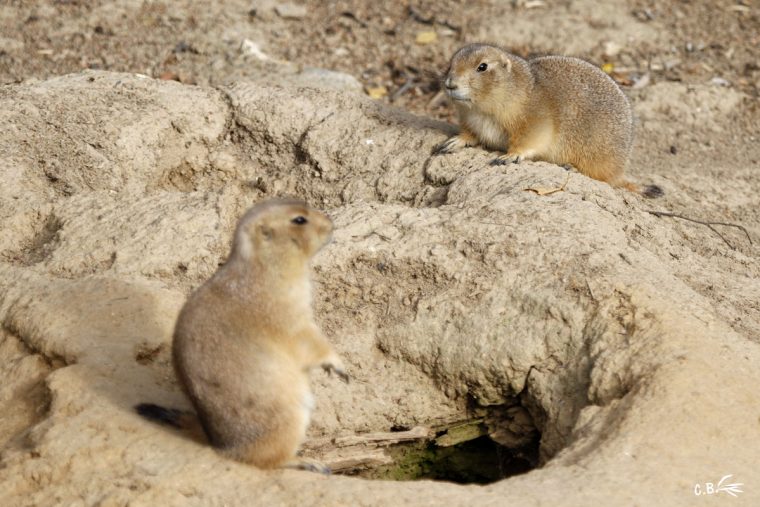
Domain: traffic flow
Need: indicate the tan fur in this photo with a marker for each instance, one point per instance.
(245, 340)
(558, 109)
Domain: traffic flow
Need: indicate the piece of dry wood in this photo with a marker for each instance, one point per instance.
(355, 452)
(462, 433)
(351, 459)
(378, 439)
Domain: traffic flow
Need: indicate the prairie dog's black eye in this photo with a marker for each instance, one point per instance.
(299, 220)
(482, 67)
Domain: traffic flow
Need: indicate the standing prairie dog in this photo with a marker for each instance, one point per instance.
(246, 339)
(558, 109)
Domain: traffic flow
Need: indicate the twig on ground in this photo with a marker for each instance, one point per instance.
(403, 89)
(709, 224)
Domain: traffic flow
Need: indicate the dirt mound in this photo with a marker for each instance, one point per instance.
(625, 342)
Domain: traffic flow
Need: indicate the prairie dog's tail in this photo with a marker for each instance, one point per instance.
(162, 415)
(176, 418)
(648, 191)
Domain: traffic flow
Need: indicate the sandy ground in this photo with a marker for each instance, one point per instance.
(631, 341)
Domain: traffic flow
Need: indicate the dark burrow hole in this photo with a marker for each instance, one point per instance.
(477, 461)
(502, 442)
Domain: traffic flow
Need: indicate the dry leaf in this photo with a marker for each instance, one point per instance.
(642, 82)
(427, 37)
(549, 191)
(622, 79)
(545, 190)
(608, 68)
(169, 76)
(377, 92)
(248, 47)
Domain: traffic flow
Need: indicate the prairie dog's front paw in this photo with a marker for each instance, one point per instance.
(452, 144)
(336, 365)
(507, 158)
(341, 373)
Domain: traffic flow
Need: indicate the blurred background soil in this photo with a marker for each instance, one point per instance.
(397, 50)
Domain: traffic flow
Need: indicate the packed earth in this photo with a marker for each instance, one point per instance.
(515, 334)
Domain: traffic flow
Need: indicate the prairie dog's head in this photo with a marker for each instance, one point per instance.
(281, 231)
(480, 74)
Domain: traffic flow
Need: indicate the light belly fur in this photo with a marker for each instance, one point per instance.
(542, 144)
(488, 131)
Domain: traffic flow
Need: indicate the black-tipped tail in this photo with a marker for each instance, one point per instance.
(159, 414)
(652, 191)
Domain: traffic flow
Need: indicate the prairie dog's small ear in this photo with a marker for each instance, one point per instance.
(243, 246)
(507, 62)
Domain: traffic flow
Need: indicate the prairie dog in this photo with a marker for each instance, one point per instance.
(554, 108)
(245, 340)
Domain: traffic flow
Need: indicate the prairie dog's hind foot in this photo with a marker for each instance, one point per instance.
(507, 158)
(455, 143)
(308, 465)
(336, 366)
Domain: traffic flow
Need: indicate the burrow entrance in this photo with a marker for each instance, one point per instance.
(477, 461)
(492, 444)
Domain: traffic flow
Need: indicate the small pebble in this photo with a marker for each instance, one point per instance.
(291, 11)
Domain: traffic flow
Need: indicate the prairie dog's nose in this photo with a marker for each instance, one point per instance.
(450, 85)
